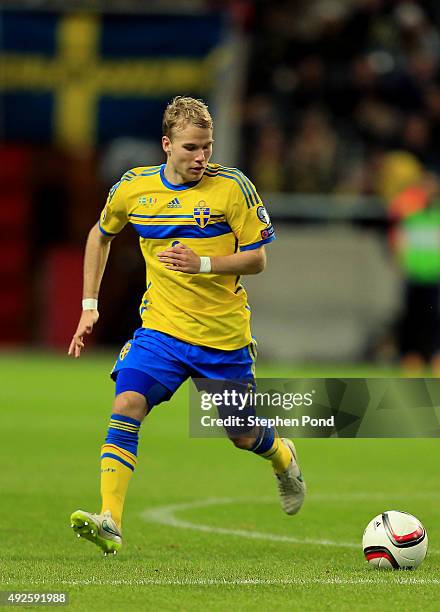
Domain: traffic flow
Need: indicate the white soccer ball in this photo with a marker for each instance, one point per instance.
(395, 540)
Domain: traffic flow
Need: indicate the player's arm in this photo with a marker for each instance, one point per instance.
(244, 262)
(181, 258)
(250, 223)
(95, 260)
(113, 219)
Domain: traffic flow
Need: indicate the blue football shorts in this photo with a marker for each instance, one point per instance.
(155, 364)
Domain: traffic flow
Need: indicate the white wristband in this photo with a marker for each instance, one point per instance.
(205, 265)
(90, 304)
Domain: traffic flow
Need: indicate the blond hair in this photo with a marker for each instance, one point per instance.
(183, 110)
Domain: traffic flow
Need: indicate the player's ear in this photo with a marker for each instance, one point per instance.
(166, 144)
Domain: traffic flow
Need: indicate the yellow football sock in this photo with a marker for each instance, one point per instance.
(279, 455)
(117, 466)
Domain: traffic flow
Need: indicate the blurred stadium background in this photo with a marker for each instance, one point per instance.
(332, 107)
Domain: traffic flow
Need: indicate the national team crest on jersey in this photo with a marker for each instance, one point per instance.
(124, 350)
(201, 215)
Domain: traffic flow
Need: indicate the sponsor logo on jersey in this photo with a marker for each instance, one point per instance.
(174, 204)
(263, 215)
(202, 214)
(104, 214)
(148, 201)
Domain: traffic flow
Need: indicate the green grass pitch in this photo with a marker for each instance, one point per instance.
(203, 528)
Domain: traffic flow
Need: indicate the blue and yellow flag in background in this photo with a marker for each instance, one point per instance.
(83, 79)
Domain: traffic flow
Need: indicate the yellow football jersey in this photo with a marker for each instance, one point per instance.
(217, 215)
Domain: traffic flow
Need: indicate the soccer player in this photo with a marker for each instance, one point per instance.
(201, 227)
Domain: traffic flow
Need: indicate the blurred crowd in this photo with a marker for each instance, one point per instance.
(340, 96)
(337, 90)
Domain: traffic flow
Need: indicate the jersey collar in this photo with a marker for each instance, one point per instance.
(175, 187)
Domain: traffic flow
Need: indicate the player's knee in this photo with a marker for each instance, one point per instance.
(243, 442)
(131, 404)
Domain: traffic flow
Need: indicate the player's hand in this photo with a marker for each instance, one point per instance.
(180, 258)
(85, 326)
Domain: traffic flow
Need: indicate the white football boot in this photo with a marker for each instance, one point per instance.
(100, 529)
(291, 486)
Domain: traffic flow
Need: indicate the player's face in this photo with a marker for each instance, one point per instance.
(188, 153)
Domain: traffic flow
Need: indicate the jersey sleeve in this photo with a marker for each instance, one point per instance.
(114, 216)
(248, 217)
